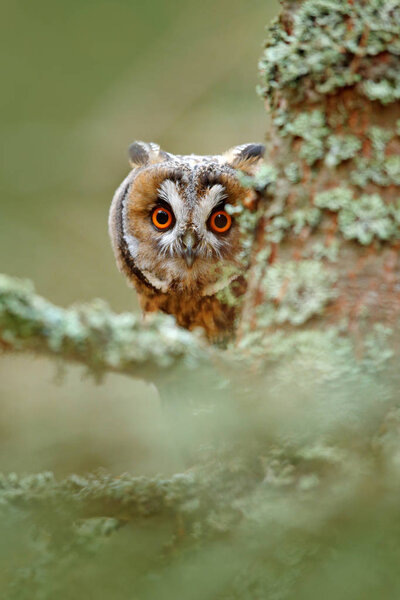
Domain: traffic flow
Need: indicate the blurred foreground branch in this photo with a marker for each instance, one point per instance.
(307, 510)
(92, 335)
(195, 493)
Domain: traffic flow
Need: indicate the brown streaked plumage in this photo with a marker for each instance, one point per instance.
(174, 240)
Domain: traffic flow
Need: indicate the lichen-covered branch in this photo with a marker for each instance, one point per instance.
(94, 336)
(194, 493)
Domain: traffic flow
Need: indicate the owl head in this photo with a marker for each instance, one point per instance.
(169, 225)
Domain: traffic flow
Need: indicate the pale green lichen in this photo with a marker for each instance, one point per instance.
(126, 495)
(265, 175)
(308, 124)
(341, 148)
(247, 221)
(293, 172)
(312, 150)
(392, 167)
(339, 80)
(311, 127)
(334, 199)
(227, 294)
(320, 251)
(261, 260)
(305, 217)
(294, 292)
(385, 90)
(365, 219)
(325, 37)
(395, 212)
(378, 349)
(276, 229)
(369, 170)
(379, 137)
(380, 169)
(281, 118)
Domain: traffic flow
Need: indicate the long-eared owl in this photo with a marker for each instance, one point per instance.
(175, 237)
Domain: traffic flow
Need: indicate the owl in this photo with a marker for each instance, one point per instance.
(174, 235)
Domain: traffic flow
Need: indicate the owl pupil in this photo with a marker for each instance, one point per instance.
(220, 221)
(162, 217)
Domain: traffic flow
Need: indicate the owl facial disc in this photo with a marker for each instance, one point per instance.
(170, 226)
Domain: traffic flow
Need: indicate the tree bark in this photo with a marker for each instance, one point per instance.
(326, 250)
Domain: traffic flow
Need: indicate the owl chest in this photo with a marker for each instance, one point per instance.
(190, 312)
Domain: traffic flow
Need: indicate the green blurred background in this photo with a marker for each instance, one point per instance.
(80, 81)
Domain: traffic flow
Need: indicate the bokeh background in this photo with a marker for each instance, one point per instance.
(81, 79)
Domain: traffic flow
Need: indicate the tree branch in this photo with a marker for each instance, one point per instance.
(193, 494)
(94, 336)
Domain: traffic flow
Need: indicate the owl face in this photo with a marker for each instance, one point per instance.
(170, 219)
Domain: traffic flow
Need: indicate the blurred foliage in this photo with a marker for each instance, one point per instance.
(293, 492)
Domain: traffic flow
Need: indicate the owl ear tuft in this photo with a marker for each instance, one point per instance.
(245, 157)
(141, 154)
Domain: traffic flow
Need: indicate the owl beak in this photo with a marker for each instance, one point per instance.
(189, 242)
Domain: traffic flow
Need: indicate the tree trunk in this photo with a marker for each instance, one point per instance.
(327, 245)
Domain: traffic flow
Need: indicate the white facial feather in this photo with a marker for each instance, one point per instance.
(212, 198)
(169, 242)
(133, 244)
(169, 192)
(210, 245)
(131, 241)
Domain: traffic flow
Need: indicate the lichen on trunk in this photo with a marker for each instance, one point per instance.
(331, 223)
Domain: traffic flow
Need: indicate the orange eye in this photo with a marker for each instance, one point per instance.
(220, 221)
(161, 218)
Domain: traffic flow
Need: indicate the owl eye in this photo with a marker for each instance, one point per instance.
(162, 218)
(220, 221)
